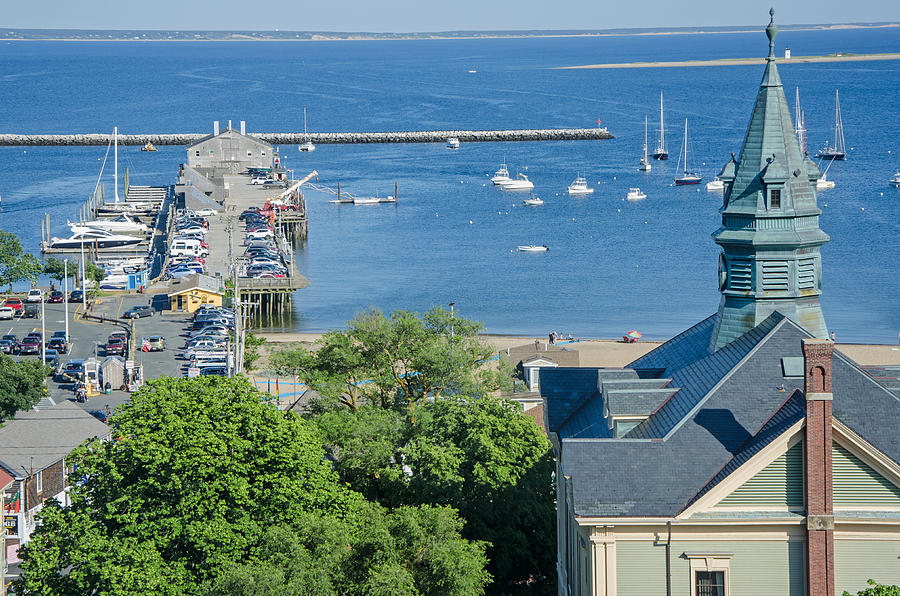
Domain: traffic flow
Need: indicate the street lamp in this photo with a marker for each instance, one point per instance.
(43, 333)
(66, 296)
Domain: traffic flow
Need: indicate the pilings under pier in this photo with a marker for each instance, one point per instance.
(321, 138)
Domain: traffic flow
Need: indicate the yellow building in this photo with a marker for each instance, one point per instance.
(187, 294)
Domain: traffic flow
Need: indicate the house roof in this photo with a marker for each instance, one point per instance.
(195, 281)
(527, 353)
(39, 438)
(232, 134)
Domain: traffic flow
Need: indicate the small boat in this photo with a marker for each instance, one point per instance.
(716, 185)
(835, 150)
(824, 183)
(645, 161)
(533, 202)
(687, 176)
(307, 145)
(661, 152)
(520, 182)
(148, 147)
(123, 224)
(635, 194)
(452, 143)
(895, 179)
(501, 175)
(473, 71)
(94, 238)
(580, 187)
(533, 248)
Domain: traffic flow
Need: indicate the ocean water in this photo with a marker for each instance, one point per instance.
(612, 265)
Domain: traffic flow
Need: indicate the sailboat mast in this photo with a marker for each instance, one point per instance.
(662, 125)
(838, 124)
(686, 169)
(305, 135)
(116, 174)
(645, 138)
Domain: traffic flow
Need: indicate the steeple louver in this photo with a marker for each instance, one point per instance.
(770, 234)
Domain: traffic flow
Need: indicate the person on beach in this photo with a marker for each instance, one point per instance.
(537, 345)
(832, 336)
(552, 337)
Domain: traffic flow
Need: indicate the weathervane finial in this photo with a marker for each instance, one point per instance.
(771, 32)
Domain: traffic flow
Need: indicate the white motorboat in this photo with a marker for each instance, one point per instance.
(533, 248)
(307, 145)
(127, 207)
(895, 179)
(635, 194)
(452, 143)
(123, 224)
(824, 183)
(580, 187)
(520, 182)
(716, 185)
(533, 202)
(645, 160)
(501, 175)
(94, 238)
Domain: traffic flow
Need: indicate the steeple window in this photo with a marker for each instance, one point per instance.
(775, 275)
(806, 273)
(740, 274)
(774, 198)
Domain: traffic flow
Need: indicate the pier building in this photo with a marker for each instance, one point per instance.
(745, 455)
(229, 152)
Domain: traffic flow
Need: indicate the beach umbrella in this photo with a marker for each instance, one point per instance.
(634, 334)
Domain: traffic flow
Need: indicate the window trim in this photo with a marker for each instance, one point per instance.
(707, 561)
(774, 192)
(39, 481)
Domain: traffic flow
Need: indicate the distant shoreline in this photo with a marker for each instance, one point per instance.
(259, 36)
(740, 61)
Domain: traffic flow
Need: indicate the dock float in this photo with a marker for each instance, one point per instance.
(321, 138)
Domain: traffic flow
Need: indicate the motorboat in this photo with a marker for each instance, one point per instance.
(580, 187)
(306, 146)
(94, 238)
(501, 175)
(148, 147)
(533, 248)
(635, 194)
(123, 224)
(895, 179)
(716, 185)
(533, 202)
(452, 143)
(520, 182)
(824, 183)
(127, 207)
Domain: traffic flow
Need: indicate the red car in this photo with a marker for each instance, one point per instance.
(14, 303)
(56, 297)
(115, 346)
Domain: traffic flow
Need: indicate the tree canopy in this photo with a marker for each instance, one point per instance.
(22, 385)
(876, 589)
(206, 487)
(56, 269)
(16, 264)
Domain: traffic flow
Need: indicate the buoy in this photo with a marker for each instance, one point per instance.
(862, 208)
(470, 222)
(614, 177)
(618, 211)
(882, 194)
(573, 219)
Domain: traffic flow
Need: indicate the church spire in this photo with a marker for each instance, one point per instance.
(770, 234)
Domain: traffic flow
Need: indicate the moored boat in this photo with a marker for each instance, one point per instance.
(635, 194)
(452, 143)
(501, 175)
(645, 161)
(148, 147)
(520, 182)
(661, 151)
(307, 144)
(895, 179)
(533, 248)
(94, 238)
(580, 187)
(836, 149)
(533, 202)
(715, 185)
(687, 176)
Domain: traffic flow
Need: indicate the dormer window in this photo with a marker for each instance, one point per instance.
(775, 198)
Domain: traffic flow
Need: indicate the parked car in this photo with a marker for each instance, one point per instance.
(138, 312)
(206, 212)
(72, 371)
(56, 334)
(56, 297)
(118, 335)
(8, 347)
(214, 371)
(221, 330)
(7, 313)
(156, 343)
(58, 344)
(115, 347)
(30, 345)
(258, 181)
(76, 296)
(51, 359)
(14, 303)
(32, 311)
(34, 295)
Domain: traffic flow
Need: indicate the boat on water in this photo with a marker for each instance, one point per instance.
(824, 183)
(307, 145)
(836, 149)
(520, 182)
(148, 147)
(645, 161)
(635, 194)
(132, 208)
(800, 123)
(715, 185)
(580, 187)
(123, 224)
(533, 202)
(94, 238)
(661, 151)
(501, 175)
(452, 143)
(532, 248)
(687, 176)
(895, 179)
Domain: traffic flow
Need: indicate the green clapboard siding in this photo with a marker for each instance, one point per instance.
(856, 484)
(856, 561)
(780, 484)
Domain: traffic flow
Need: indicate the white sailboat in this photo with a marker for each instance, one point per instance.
(687, 176)
(800, 123)
(307, 145)
(661, 151)
(645, 162)
(835, 150)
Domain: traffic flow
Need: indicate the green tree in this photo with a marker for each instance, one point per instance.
(877, 589)
(15, 263)
(252, 344)
(94, 273)
(199, 472)
(22, 385)
(56, 269)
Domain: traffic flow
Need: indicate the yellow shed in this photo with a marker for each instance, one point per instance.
(187, 294)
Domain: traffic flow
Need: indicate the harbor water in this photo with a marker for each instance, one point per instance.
(612, 266)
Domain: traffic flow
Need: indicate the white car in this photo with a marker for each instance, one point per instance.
(259, 180)
(206, 212)
(259, 234)
(34, 295)
(6, 313)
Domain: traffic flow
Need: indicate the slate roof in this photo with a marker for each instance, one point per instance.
(634, 402)
(46, 435)
(194, 281)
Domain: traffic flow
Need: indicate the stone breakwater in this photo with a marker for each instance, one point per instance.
(321, 138)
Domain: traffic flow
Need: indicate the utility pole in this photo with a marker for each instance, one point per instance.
(43, 334)
(66, 297)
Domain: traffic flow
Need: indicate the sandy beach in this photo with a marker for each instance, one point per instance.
(741, 61)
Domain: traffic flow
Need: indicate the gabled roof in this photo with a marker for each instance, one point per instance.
(194, 281)
(231, 134)
(36, 439)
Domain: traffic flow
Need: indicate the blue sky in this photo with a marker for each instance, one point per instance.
(430, 15)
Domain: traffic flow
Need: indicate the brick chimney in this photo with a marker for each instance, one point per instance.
(817, 354)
